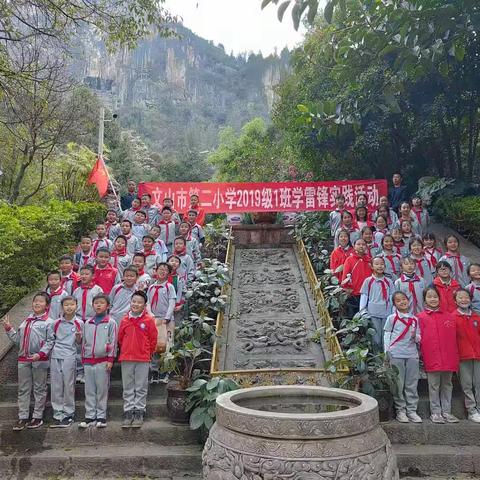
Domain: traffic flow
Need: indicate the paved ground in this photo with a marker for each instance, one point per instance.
(467, 248)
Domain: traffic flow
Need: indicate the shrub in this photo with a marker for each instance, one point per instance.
(462, 214)
(32, 239)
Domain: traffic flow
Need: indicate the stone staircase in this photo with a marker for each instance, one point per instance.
(432, 449)
(158, 450)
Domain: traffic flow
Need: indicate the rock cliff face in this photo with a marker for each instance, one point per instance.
(187, 82)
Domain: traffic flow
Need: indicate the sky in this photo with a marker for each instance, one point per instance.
(240, 25)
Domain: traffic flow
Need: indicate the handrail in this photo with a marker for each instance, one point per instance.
(220, 315)
(323, 313)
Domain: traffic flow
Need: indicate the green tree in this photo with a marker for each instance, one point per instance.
(253, 155)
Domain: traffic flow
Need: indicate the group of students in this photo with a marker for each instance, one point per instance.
(112, 300)
(424, 303)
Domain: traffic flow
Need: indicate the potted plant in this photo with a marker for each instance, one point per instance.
(201, 401)
(187, 359)
(369, 371)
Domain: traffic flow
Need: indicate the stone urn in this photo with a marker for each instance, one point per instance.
(297, 433)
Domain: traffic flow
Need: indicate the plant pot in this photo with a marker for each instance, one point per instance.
(176, 403)
(385, 405)
(264, 217)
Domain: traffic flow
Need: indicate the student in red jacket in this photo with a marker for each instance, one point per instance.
(105, 274)
(341, 253)
(137, 339)
(446, 286)
(440, 355)
(356, 269)
(468, 342)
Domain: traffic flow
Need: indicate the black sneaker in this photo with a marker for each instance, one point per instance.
(127, 419)
(35, 423)
(154, 377)
(88, 422)
(56, 424)
(67, 422)
(20, 425)
(101, 422)
(137, 419)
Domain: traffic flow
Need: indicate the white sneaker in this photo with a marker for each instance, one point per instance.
(449, 418)
(414, 417)
(402, 417)
(474, 417)
(437, 418)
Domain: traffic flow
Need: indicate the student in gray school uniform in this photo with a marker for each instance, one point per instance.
(161, 300)
(152, 258)
(34, 338)
(151, 211)
(375, 298)
(56, 293)
(67, 333)
(411, 285)
(85, 293)
(121, 294)
(134, 244)
(187, 267)
(137, 340)
(474, 286)
(99, 345)
(401, 340)
(112, 225)
(168, 229)
(120, 259)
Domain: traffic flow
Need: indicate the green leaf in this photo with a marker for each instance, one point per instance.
(197, 418)
(265, 3)
(282, 8)
(328, 11)
(213, 383)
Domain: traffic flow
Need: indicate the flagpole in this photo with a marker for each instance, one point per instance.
(101, 130)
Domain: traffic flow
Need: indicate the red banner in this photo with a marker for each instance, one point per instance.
(265, 197)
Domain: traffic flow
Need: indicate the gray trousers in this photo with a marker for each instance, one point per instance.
(135, 385)
(80, 370)
(62, 386)
(470, 380)
(406, 396)
(28, 377)
(378, 324)
(440, 391)
(97, 382)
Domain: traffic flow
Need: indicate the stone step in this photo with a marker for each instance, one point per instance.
(158, 432)
(8, 392)
(437, 459)
(458, 406)
(139, 460)
(156, 407)
(428, 433)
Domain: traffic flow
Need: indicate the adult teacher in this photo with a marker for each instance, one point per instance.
(127, 198)
(398, 193)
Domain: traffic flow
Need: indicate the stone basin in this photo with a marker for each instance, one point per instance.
(297, 433)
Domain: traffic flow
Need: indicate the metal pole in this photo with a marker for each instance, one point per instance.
(101, 126)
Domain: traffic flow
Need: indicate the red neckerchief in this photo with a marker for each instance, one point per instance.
(141, 272)
(108, 226)
(116, 254)
(411, 286)
(457, 260)
(85, 289)
(26, 334)
(149, 253)
(167, 229)
(389, 257)
(473, 288)
(180, 253)
(86, 257)
(430, 256)
(408, 323)
(419, 265)
(156, 287)
(96, 243)
(56, 292)
(418, 213)
(384, 283)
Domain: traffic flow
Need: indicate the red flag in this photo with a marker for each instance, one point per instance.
(99, 176)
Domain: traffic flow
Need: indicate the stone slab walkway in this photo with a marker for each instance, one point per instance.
(467, 248)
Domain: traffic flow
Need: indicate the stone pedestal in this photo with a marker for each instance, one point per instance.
(297, 433)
